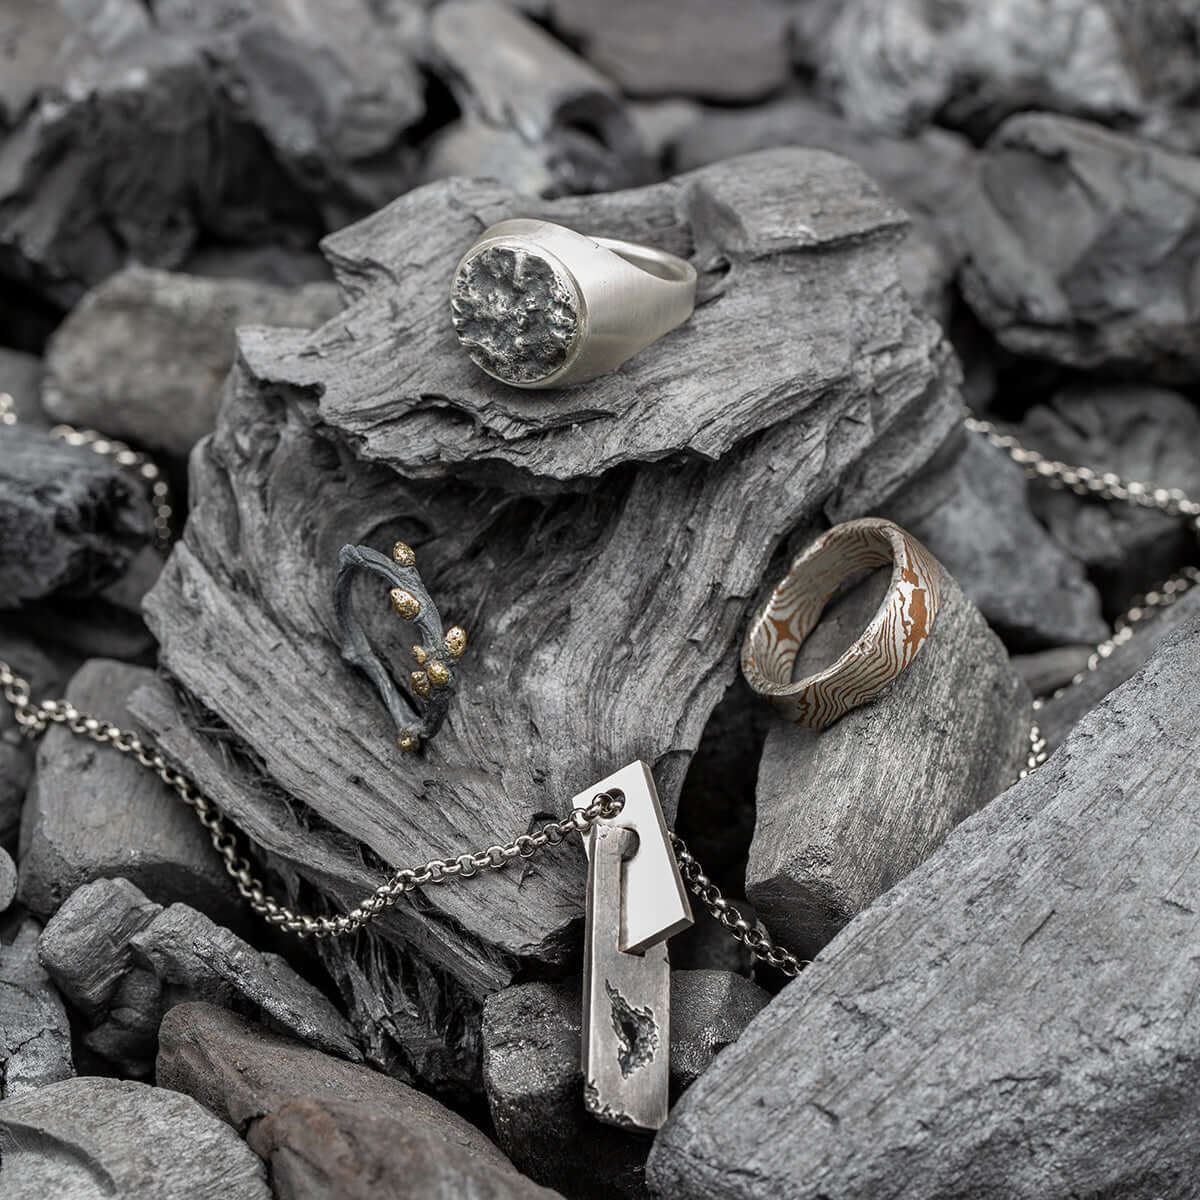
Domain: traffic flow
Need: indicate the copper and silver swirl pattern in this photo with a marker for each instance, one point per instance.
(888, 644)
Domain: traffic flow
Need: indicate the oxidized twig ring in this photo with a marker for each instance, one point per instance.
(432, 680)
(889, 643)
(537, 305)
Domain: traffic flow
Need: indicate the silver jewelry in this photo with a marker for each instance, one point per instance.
(537, 305)
(887, 645)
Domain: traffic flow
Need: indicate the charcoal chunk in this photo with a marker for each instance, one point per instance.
(982, 998)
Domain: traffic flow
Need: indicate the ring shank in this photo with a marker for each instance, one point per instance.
(885, 648)
(659, 263)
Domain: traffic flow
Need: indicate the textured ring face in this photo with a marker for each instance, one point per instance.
(888, 644)
(516, 313)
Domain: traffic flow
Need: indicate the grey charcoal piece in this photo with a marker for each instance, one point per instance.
(709, 1011)
(982, 999)
(244, 617)
(8, 880)
(331, 87)
(899, 65)
(35, 1036)
(530, 94)
(21, 378)
(931, 175)
(328, 1127)
(701, 48)
(1081, 248)
(111, 949)
(197, 959)
(1031, 589)
(85, 948)
(144, 355)
(71, 521)
(90, 1137)
(117, 147)
(1058, 717)
(1141, 433)
(534, 1082)
(93, 812)
(846, 812)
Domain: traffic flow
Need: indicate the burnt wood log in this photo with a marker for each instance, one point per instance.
(331, 87)
(1081, 249)
(583, 653)
(846, 812)
(536, 116)
(92, 813)
(94, 1136)
(114, 147)
(701, 48)
(899, 65)
(71, 522)
(1034, 975)
(328, 1127)
(931, 174)
(143, 356)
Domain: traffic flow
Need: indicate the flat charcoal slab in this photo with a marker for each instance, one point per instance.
(733, 53)
(108, 1137)
(330, 1128)
(71, 522)
(1012, 1020)
(802, 305)
(584, 653)
(1082, 247)
(846, 812)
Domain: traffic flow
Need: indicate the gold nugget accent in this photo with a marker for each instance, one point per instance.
(438, 674)
(402, 552)
(419, 655)
(405, 603)
(456, 640)
(420, 683)
(406, 741)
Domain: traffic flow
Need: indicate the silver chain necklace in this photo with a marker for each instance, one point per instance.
(34, 718)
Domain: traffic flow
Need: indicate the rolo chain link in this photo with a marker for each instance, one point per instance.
(34, 718)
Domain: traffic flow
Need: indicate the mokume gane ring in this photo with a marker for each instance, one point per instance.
(537, 305)
(888, 644)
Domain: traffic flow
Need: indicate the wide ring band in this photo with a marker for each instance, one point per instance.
(888, 644)
(537, 305)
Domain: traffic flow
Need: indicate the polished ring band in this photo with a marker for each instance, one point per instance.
(888, 644)
(537, 305)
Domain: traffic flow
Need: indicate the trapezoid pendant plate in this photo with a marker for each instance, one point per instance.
(654, 903)
(627, 1001)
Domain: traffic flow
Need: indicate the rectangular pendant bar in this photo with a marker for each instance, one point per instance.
(654, 901)
(627, 1000)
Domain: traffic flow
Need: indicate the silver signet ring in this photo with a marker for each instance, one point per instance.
(537, 305)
